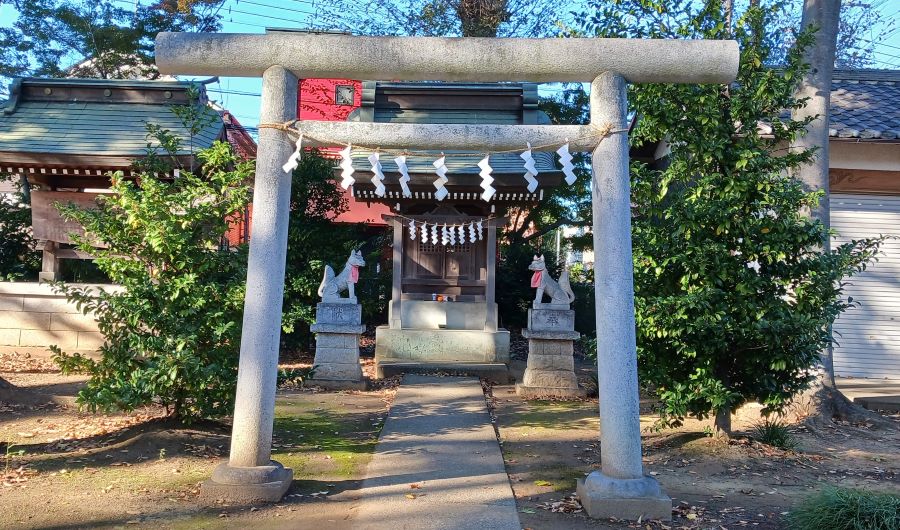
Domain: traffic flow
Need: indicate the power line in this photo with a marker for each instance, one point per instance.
(272, 17)
(276, 7)
(235, 92)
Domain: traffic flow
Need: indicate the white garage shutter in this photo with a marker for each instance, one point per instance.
(868, 336)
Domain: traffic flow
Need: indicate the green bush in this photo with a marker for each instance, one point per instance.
(847, 509)
(774, 433)
(734, 298)
(18, 258)
(172, 334)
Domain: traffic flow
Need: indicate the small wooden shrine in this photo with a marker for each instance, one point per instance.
(65, 137)
(443, 299)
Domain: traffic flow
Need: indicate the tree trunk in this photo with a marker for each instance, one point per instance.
(10, 393)
(823, 401)
(723, 422)
(816, 86)
(25, 188)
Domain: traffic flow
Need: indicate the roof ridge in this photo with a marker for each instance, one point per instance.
(866, 74)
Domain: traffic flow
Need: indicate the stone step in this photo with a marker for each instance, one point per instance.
(496, 372)
(884, 403)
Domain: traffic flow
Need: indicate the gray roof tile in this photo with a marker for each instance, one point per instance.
(865, 104)
(96, 127)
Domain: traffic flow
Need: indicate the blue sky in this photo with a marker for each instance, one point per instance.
(241, 95)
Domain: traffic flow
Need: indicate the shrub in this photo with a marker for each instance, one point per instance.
(847, 509)
(18, 258)
(172, 335)
(774, 433)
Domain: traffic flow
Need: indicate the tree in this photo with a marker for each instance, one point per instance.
(734, 294)
(824, 399)
(102, 39)
(172, 333)
(861, 25)
(461, 18)
(18, 258)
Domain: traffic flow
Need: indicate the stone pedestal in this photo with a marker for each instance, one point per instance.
(247, 485)
(337, 328)
(551, 368)
(623, 498)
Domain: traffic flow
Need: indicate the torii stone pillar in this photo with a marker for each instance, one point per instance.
(621, 489)
(250, 475)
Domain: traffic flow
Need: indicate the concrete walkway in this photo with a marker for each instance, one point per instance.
(438, 437)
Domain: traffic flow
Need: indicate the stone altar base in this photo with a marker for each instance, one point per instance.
(629, 499)
(440, 345)
(247, 485)
(337, 329)
(550, 371)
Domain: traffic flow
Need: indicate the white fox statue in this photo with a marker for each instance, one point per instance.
(560, 293)
(332, 286)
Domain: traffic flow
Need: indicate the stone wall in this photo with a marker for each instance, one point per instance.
(32, 316)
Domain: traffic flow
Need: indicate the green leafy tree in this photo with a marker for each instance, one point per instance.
(734, 298)
(172, 333)
(98, 39)
(18, 258)
(446, 18)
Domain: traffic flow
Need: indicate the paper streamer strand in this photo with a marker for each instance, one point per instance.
(294, 159)
(565, 159)
(377, 174)
(530, 169)
(441, 170)
(486, 178)
(346, 165)
(404, 175)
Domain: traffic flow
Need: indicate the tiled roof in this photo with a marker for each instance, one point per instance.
(865, 104)
(96, 117)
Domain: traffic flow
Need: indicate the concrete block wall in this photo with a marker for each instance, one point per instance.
(32, 316)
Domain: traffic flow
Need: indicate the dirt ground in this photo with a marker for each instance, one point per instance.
(68, 469)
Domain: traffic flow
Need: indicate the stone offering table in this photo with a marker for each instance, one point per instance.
(551, 368)
(337, 328)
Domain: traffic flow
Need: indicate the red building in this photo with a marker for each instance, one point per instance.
(335, 100)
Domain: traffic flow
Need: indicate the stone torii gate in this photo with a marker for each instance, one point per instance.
(621, 489)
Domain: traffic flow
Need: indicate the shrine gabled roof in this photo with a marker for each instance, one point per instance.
(48, 119)
(454, 103)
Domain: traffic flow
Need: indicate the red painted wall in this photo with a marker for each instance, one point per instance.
(316, 101)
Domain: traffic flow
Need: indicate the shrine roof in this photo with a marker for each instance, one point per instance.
(453, 103)
(51, 119)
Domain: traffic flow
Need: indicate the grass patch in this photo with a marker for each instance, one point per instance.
(847, 509)
(776, 434)
(550, 415)
(324, 441)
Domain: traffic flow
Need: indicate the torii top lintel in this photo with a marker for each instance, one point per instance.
(467, 59)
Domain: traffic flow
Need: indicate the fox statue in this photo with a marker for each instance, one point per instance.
(560, 293)
(332, 286)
